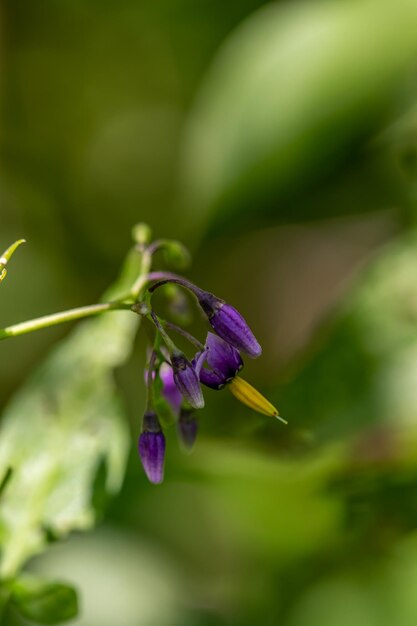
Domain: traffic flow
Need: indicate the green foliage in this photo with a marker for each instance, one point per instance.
(378, 593)
(362, 370)
(292, 92)
(43, 602)
(58, 430)
(310, 524)
(247, 482)
(177, 255)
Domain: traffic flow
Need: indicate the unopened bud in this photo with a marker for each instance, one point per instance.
(229, 324)
(187, 429)
(141, 233)
(178, 304)
(152, 448)
(176, 255)
(186, 379)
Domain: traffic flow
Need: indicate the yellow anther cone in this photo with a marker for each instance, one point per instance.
(250, 396)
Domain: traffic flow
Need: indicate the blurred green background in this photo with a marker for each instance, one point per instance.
(278, 141)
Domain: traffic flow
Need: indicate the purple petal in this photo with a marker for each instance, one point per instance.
(198, 360)
(170, 390)
(152, 454)
(212, 379)
(187, 428)
(222, 356)
(187, 380)
(231, 326)
(224, 363)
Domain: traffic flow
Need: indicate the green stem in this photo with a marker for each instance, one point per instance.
(167, 339)
(58, 318)
(80, 312)
(184, 334)
(143, 278)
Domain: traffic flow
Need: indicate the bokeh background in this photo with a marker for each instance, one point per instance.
(278, 141)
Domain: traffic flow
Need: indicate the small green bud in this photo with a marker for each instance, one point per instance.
(141, 233)
(178, 304)
(176, 255)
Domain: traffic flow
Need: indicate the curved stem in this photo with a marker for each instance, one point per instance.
(153, 276)
(157, 245)
(141, 280)
(58, 318)
(185, 334)
(168, 277)
(5, 257)
(161, 276)
(80, 312)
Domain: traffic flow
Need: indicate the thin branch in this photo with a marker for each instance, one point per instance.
(58, 318)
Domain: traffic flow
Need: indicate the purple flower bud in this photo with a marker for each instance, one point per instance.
(229, 324)
(187, 428)
(170, 390)
(224, 362)
(224, 318)
(152, 448)
(186, 379)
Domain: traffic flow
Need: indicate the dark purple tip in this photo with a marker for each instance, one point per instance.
(230, 325)
(187, 381)
(222, 356)
(152, 454)
(224, 362)
(152, 448)
(187, 429)
(212, 379)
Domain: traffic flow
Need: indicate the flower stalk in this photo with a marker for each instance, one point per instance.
(77, 313)
(173, 379)
(59, 318)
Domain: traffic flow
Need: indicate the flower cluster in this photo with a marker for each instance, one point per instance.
(174, 381)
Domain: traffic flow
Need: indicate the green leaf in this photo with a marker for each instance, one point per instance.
(363, 370)
(56, 431)
(44, 602)
(246, 482)
(289, 95)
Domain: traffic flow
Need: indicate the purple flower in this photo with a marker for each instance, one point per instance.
(152, 448)
(229, 324)
(186, 378)
(224, 363)
(187, 428)
(224, 318)
(170, 390)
